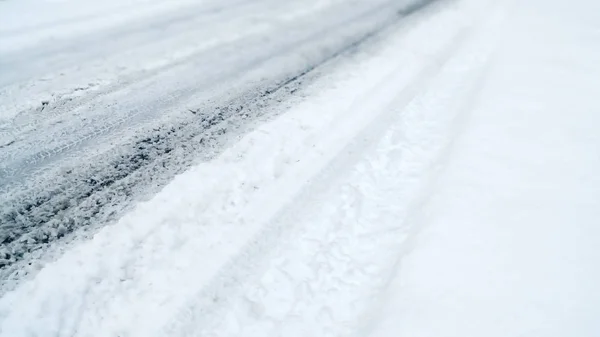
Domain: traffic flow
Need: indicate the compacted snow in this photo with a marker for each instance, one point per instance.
(439, 181)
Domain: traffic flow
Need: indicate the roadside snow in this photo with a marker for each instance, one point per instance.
(511, 233)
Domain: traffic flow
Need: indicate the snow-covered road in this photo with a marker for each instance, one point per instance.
(440, 180)
(103, 104)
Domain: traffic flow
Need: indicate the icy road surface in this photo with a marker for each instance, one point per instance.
(102, 104)
(441, 179)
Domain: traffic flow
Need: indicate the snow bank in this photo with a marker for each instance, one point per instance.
(510, 235)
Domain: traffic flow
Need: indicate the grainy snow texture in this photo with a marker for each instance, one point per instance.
(435, 178)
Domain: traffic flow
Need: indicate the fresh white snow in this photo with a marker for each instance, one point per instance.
(509, 236)
(446, 184)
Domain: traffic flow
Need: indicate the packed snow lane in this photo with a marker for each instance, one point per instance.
(109, 113)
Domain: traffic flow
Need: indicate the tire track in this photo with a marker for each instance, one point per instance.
(240, 286)
(304, 46)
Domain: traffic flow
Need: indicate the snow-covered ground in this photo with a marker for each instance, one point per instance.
(442, 182)
(508, 240)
